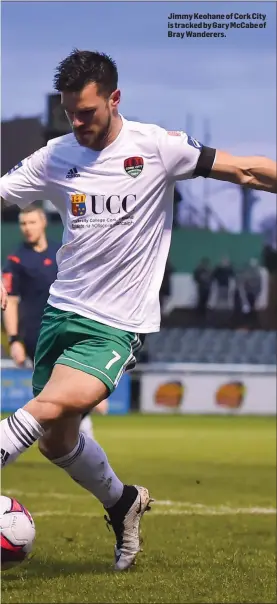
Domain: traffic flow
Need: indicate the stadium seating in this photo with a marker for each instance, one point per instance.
(212, 346)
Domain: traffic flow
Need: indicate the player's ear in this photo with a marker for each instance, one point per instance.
(44, 219)
(115, 98)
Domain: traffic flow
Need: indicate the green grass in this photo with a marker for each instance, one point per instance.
(191, 553)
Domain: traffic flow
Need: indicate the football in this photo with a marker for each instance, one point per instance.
(17, 532)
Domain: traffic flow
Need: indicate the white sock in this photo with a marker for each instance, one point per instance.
(88, 465)
(18, 433)
(86, 426)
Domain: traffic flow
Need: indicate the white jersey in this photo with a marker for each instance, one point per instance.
(116, 206)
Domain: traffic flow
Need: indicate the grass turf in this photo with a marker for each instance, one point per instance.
(209, 538)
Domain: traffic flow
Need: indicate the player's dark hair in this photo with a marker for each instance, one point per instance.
(82, 67)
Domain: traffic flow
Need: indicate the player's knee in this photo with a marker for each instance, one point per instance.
(50, 411)
(56, 406)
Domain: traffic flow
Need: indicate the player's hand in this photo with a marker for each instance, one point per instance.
(4, 297)
(18, 354)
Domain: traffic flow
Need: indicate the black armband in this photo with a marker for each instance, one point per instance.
(13, 339)
(205, 162)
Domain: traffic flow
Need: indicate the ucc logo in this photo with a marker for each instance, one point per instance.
(82, 204)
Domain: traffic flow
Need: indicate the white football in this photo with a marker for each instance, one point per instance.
(17, 532)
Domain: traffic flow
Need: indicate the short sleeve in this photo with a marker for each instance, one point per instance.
(11, 276)
(27, 181)
(179, 153)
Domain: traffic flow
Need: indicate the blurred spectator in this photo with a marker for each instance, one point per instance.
(252, 282)
(176, 201)
(223, 285)
(203, 278)
(269, 260)
(165, 290)
(223, 272)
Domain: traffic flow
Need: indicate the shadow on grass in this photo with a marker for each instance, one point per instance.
(50, 569)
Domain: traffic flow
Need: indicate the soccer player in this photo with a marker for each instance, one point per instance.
(112, 180)
(27, 277)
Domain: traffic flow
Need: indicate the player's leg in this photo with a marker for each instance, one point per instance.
(65, 397)
(55, 408)
(86, 425)
(87, 464)
(107, 354)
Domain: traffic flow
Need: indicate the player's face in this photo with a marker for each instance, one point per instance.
(90, 115)
(32, 226)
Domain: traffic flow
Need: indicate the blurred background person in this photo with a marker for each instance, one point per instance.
(27, 277)
(247, 291)
(223, 285)
(165, 290)
(203, 278)
(252, 282)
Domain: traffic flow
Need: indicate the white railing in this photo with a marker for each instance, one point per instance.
(205, 368)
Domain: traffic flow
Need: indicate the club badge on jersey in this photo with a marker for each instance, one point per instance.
(133, 166)
(78, 204)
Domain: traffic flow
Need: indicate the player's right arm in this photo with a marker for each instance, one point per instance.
(27, 182)
(11, 282)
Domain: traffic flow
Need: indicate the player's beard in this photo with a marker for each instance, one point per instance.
(102, 137)
(98, 141)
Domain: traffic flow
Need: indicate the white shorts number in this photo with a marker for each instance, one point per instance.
(112, 361)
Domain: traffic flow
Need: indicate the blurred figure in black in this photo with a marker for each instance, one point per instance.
(203, 277)
(223, 272)
(165, 290)
(269, 261)
(27, 275)
(176, 200)
(223, 280)
(252, 284)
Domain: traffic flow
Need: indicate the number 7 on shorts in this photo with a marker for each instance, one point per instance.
(116, 357)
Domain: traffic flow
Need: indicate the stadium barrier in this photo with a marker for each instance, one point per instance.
(16, 390)
(208, 389)
(171, 388)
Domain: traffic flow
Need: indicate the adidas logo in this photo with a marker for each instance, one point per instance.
(4, 456)
(72, 173)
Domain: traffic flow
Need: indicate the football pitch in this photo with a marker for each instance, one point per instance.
(210, 536)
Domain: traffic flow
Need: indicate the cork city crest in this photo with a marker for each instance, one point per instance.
(78, 204)
(133, 166)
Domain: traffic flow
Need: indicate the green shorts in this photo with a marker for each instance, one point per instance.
(69, 339)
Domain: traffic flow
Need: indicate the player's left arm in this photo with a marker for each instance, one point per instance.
(184, 157)
(255, 172)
